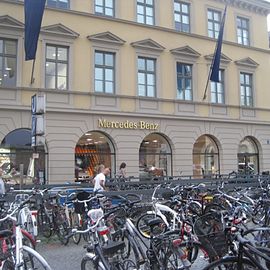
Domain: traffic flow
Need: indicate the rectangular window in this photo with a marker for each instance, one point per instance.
(184, 81)
(243, 31)
(64, 4)
(146, 77)
(145, 12)
(104, 72)
(8, 62)
(104, 7)
(182, 16)
(213, 23)
(246, 89)
(217, 89)
(56, 70)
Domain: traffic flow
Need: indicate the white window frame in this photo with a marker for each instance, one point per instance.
(104, 7)
(189, 15)
(216, 92)
(252, 89)
(249, 19)
(57, 1)
(145, 6)
(67, 62)
(192, 89)
(213, 22)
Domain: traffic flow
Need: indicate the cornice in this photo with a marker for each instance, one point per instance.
(257, 6)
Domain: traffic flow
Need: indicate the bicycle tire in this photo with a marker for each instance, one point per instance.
(8, 265)
(132, 251)
(75, 222)
(88, 263)
(144, 229)
(62, 232)
(33, 260)
(230, 262)
(44, 224)
(259, 215)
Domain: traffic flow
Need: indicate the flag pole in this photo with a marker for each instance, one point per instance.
(213, 73)
(209, 74)
(32, 74)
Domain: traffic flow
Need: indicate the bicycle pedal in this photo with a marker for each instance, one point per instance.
(38, 241)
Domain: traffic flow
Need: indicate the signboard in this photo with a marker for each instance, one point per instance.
(38, 127)
(104, 123)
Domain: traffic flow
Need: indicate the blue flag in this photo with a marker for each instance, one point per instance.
(216, 61)
(33, 13)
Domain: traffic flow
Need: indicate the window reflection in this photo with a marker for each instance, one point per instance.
(205, 157)
(155, 156)
(248, 157)
(93, 148)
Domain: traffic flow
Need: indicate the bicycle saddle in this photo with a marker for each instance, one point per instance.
(113, 247)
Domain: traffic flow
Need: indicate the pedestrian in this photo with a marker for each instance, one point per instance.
(2, 184)
(99, 180)
(122, 171)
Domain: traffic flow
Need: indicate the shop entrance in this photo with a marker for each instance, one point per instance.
(248, 157)
(205, 157)
(16, 153)
(93, 148)
(155, 156)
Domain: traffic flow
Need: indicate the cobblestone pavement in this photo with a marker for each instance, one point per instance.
(69, 257)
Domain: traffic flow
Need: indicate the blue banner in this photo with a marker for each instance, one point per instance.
(216, 61)
(33, 13)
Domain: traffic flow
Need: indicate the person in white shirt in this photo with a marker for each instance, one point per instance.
(99, 180)
(2, 184)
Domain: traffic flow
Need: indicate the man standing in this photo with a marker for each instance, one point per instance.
(2, 184)
(99, 180)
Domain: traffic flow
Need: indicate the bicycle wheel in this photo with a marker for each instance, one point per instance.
(230, 263)
(62, 231)
(88, 263)
(259, 214)
(131, 251)
(44, 224)
(33, 260)
(8, 265)
(75, 222)
(144, 229)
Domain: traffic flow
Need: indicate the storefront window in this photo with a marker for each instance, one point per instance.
(155, 156)
(93, 148)
(16, 155)
(248, 157)
(205, 157)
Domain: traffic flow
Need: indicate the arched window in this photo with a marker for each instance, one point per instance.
(155, 156)
(205, 156)
(93, 148)
(248, 156)
(16, 153)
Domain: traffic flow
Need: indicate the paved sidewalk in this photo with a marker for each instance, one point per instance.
(69, 257)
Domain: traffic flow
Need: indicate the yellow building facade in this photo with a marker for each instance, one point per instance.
(124, 82)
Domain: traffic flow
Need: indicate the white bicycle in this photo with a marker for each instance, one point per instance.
(16, 256)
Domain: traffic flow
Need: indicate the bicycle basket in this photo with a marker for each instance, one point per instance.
(210, 229)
